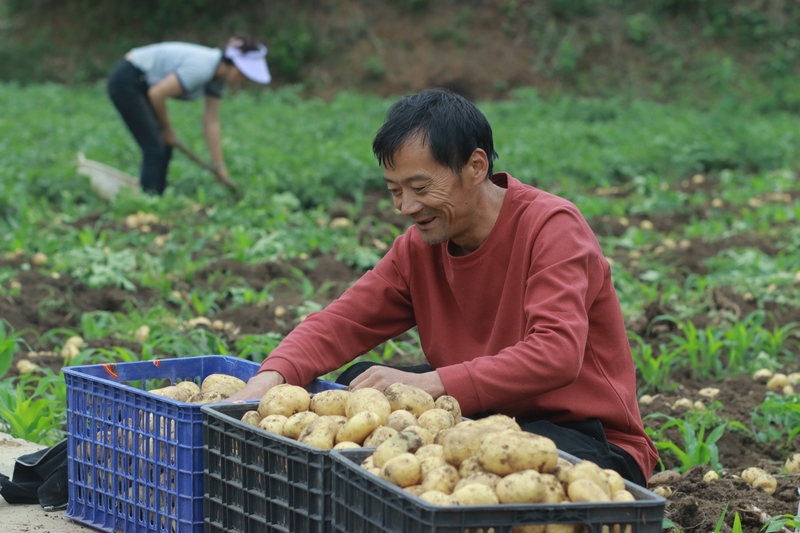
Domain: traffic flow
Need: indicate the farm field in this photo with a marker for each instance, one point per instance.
(696, 209)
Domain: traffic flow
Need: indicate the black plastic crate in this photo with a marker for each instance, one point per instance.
(260, 481)
(363, 502)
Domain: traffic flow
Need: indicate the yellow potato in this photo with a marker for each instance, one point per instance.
(449, 404)
(252, 418)
(442, 478)
(408, 398)
(498, 419)
(424, 434)
(273, 423)
(330, 402)
(510, 451)
(622, 496)
(476, 494)
(435, 420)
(404, 442)
(175, 393)
(750, 474)
(470, 466)
(767, 482)
(525, 486)
(359, 427)
(399, 420)
(296, 423)
(380, 435)
(402, 470)
(438, 498)
(427, 464)
(214, 380)
(189, 386)
(209, 396)
(284, 400)
(615, 480)
(562, 470)
(486, 478)
(368, 463)
(415, 490)
(554, 490)
(345, 445)
(463, 442)
(368, 400)
(321, 433)
(585, 490)
(430, 450)
(589, 470)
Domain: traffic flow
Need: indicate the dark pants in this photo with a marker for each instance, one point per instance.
(585, 439)
(127, 88)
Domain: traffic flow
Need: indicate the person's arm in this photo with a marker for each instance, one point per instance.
(169, 87)
(380, 377)
(212, 131)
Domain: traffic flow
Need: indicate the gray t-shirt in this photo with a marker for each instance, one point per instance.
(193, 64)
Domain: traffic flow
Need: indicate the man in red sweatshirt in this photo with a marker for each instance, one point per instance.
(507, 285)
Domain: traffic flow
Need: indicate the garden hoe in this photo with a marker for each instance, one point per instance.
(107, 180)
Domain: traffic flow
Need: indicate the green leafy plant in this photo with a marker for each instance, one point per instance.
(777, 418)
(10, 340)
(699, 449)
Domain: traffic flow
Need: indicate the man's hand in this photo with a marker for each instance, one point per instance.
(224, 178)
(380, 377)
(169, 136)
(258, 386)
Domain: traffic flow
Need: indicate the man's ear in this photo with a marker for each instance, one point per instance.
(477, 165)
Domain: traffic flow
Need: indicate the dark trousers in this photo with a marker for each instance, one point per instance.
(584, 439)
(127, 88)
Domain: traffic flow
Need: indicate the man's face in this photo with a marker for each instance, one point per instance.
(430, 194)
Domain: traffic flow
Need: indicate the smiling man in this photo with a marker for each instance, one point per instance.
(507, 285)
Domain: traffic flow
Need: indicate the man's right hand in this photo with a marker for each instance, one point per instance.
(258, 386)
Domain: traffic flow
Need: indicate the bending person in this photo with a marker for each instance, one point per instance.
(140, 85)
(508, 287)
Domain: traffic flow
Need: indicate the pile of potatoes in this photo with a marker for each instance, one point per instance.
(490, 461)
(337, 419)
(214, 388)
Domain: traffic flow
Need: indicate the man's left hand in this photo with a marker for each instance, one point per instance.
(380, 377)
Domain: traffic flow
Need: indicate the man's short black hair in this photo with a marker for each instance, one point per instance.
(450, 125)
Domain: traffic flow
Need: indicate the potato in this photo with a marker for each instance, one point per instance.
(498, 419)
(622, 496)
(402, 470)
(427, 464)
(367, 463)
(190, 386)
(615, 480)
(461, 443)
(766, 482)
(438, 498)
(273, 423)
(368, 400)
(792, 465)
(525, 486)
(359, 427)
(476, 494)
(415, 490)
(399, 420)
(562, 470)
(442, 478)
(554, 490)
(408, 398)
(173, 392)
(510, 451)
(424, 434)
(470, 466)
(430, 450)
(345, 445)
(284, 400)
(585, 490)
(449, 404)
(330, 402)
(212, 381)
(321, 433)
(589, 470)
(404, 442)
(486, 478)
(379, 435)
(209, 396)
(532, 528)
(296, 423)
(750, 474)
(435, 420)
(252, 418)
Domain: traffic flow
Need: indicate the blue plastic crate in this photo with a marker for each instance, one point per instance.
(135, 460)
(365, 503)
(259, 481)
